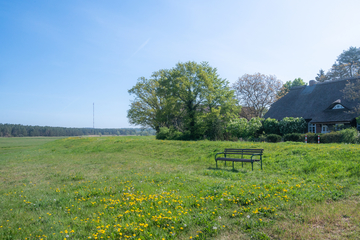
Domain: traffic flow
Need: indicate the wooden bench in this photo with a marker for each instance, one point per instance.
(240, 152)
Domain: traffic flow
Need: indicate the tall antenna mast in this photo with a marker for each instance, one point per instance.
(93, 115)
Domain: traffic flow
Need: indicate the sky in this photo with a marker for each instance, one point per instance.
(58, 58)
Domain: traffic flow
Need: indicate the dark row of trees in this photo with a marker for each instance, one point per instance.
(18, 130)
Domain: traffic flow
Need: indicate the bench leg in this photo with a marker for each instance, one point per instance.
(261, 163)
(252, 166)
(216, 163)
(242, 164)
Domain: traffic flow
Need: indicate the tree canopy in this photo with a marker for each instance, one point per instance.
(190, 98)
(352, 93)
(257, 91)
(347, 65)
(288, 85)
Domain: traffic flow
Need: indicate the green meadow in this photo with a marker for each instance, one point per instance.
(142, 188)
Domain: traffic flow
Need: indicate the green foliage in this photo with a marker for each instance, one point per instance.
(172, 134)
(151, 108)
(298, 82)
(18, 130)
(215, 130)
(352, 93)
(271, 126)
(273, 138)
(163, 133)
(292, 125)
(254, 127)
(321, 77)
(349, 135)
(288, 85)
(311, 137)
(238, 127)
(242, 128)
(347, 65)
(332, 137)
(189, 97)
(294, 137)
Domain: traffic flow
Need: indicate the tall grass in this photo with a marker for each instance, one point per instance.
(142, 188)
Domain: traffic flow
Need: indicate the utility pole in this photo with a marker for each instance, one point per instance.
(94, 116)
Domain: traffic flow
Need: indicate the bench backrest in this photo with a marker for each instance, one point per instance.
(243, 151)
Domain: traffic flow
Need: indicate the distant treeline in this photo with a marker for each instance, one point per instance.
(18, 130)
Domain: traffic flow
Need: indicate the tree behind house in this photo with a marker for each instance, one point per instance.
(257, 91)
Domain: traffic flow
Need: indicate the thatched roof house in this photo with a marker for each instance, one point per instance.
(322, 105)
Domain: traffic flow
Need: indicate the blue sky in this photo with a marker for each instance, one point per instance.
(60, 57)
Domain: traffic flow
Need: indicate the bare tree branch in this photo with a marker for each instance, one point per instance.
(257, 91)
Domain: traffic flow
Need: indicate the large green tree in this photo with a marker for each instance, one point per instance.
(151, 106)
(190, 97)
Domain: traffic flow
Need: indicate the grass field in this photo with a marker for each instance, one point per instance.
(142, 188)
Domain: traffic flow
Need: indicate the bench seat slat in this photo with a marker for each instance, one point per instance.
(237, 159)
(230, 151)
(241, 152)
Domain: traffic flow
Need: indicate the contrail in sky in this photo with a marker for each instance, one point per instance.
(70, 104)
(142, 45)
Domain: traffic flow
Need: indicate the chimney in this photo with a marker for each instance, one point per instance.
(312, 82)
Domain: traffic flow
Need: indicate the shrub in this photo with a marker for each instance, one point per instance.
(273, 138)
(262, 138)
(332, 137)
(294, 137)
(238, 127)
(349, 135)
(271, 126)
(163, 133)
(292, 125)
(172, 134)
(253, 127)
(311, 137)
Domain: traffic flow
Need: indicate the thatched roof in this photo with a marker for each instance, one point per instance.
(316, 103)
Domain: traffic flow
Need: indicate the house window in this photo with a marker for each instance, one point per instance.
(338, 106)
(324, 129)
(339, 127)
(312, 128)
